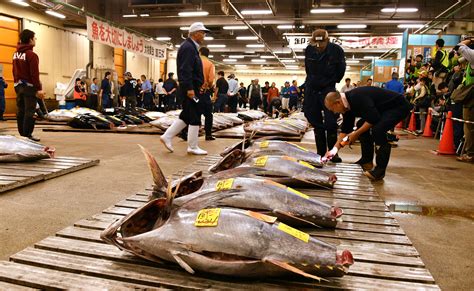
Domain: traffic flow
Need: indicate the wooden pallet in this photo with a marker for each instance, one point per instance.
(16, 175)
(238, 132)
(140, 129)
(384, 256)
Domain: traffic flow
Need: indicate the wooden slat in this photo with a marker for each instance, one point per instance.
(36, 277)
(14, 287)
(157, 275)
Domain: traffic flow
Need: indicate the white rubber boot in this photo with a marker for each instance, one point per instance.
(193, 135)
(171, 132)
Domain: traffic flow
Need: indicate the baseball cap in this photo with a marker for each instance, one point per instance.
(198, 26)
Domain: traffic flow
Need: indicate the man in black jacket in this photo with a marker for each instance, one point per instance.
(325, 66)
(190, 78)
(380, 110)
(128, 91)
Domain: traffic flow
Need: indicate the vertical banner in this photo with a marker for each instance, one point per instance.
(103, 32)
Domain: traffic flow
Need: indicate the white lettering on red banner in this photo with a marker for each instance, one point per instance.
(105, 33)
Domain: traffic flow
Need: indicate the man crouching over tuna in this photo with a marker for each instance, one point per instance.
(380, 110)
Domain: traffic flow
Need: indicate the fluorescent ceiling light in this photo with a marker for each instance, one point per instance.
(7, 19)
(413, 25)
(258, 61)
(255, 45)
(216, 45)
(267, 57)
(248, 37)
(163, 38)
(20, 2)
(292, 67)
(327, 10)
(256, 12)
(178, 45)
(352, 61)
(371, 57)
(403, 10)
(229, 60)
(345, 26)
(288, 26)
(241, 66)
(144, 15)
(193, 13)
(184, 28)
(211, 56)
(288, 61)
(208, 38)
(300, 57)
(55, 14)
(348, 67)
(236, 56)
(129, 15)
(235, 27)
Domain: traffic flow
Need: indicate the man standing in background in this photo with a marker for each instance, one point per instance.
(170, 87)
(394, 85)
(3, 86)
(191, 79)
(160, 93)
(255, 94)
(146, 93)
(242, 96)
(265, 96)
(232, 94)
(347, 86)
(222, 87)
(325, 66)
(106, 91)
(27, 83)
(209, 72)
(369, 83)
(92, 100)
(127, 91)
(294, 90)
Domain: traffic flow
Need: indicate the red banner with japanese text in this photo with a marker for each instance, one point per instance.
(103, 32)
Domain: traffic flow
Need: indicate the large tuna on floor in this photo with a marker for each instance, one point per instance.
(60, 115)
(89, 121)
(225, 241)
(14, 149)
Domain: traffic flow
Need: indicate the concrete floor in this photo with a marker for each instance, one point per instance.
(415, 176)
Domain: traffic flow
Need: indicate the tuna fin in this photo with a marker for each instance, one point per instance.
(158, 176)
(262, 217)
(294, 218)
(182, 263)
(292, 269)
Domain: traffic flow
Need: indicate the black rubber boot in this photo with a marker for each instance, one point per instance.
(366, 148)
(320, 138)
(332, 139)
(184, 134)
(382, 158)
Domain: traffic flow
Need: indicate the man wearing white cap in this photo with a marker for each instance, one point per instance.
(191, 78)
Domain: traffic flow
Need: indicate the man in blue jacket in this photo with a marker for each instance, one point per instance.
(190, 78)
(394, 85)
(325, 66)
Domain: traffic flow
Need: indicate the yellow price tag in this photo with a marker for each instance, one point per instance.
(207, 217)
(264, 144)
(224, 184)
(261, 161)
(300, 147)
(298, 192)
(306, 164)
(294, 232)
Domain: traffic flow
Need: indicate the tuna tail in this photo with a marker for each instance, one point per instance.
(288, 216)
(292, 269)
(158, 177)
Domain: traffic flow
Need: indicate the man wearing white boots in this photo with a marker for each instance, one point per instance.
(191, 78)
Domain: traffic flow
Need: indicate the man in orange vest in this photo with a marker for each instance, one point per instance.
(207, 88)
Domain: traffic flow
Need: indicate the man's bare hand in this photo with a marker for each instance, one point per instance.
(191, 94)
(40, 94)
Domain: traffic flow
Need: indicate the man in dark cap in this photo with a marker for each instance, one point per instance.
(325, 66)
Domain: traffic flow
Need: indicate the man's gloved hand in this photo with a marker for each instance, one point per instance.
(329, 155)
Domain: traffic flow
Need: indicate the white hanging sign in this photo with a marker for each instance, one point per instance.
(373, 42)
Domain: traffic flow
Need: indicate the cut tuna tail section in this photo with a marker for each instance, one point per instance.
(292, 269)
(158, 176)
(291, 217)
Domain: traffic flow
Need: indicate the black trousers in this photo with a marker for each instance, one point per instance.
(206, 109)
(131, 101)
(232, 101)
(92, 101)
(254, 103)
(26, 106)
(80, 102)
(265, 103)
(191, 113)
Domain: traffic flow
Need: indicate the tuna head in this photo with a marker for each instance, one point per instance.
(240, 243)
